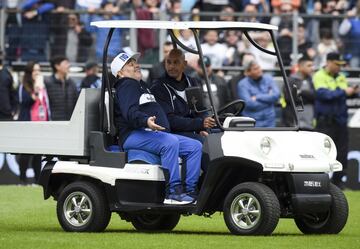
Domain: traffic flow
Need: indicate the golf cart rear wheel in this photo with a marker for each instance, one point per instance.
(330, 222)
(155, 222)
(251, 208)
(82, 207)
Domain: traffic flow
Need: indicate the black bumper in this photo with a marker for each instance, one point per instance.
(309, 193)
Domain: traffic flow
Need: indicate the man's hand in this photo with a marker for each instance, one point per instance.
(153, 126)
(209, 122)
(203, 133)
(30, 14)
(350, 91)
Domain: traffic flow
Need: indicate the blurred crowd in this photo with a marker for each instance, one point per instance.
(40, 29)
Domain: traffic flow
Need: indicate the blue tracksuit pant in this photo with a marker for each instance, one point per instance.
(169, 147)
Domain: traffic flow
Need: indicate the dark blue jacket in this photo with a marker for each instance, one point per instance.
(26, 102)
(180, 117)
(134, 104)
(8, 99)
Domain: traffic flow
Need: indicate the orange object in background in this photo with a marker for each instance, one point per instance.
(294, 3)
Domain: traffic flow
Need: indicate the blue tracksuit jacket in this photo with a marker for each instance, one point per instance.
(134, 104)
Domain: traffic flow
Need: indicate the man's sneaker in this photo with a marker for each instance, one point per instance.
(178, 199)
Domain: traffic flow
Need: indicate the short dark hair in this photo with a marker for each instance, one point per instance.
(168, 43)
(304, 58)
(56, 60)
(90, 65)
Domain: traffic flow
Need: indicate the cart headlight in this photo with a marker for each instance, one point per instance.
(327, 145)
(265, 145)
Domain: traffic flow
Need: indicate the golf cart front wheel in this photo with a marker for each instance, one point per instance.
(330, 222)
(251, 209)
(155, 222)
(82, 207)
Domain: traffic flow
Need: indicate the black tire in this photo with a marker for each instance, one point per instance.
(94, 211)
(155, 222)
(262, 216)
(331, 222)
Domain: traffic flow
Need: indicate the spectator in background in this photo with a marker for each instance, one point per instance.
(169, 92)
(252, 12)
(350, 30)
(327, 45)
(211, 6)
(35, 29)
(305, 46)
(175, 10)
(12, 31)
(331, 110)
(266, 61)
(115, 46)
(333, 8)
(213, 49)
(218, 85)
(91, 80)
(187, 38)
(59, 23)
(282, 10)
(245, 58)
(33, 105)
(286, 35)
(90, 6)
(302, 79)
(260, 93)
(8, 103)
(234, 46)
(252, 8)
(226, 15)
(158, 69)
(61, 89)
(146, 37)
(78, 40)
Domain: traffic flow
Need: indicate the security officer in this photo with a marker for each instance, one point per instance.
(331, 110)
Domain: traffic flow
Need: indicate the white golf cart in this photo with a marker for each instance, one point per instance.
(254, 175)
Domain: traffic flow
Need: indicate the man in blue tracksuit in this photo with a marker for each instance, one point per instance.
(260, 94)
(170, 93)
(143, 125)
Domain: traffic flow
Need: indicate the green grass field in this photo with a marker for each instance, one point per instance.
(27, 221)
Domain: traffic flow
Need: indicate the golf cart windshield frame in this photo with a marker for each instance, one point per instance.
(195, 27)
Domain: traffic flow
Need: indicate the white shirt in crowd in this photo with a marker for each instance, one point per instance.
(216, 53)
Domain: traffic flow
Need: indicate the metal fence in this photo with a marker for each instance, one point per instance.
(10, 35)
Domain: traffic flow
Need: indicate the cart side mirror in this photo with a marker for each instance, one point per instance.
(195, 100)
(297, 98)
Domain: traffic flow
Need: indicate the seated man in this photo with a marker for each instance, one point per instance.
(260, 93)
(135, 114)
(169, 91)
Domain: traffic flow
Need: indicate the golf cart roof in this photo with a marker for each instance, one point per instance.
(181, 25)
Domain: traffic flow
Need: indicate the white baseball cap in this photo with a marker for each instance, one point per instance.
(120, 60)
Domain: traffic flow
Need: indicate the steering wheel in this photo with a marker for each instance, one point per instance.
(232, 109)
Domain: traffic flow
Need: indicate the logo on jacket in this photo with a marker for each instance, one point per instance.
(146, 98)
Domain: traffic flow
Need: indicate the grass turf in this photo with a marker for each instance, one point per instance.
(27, 221)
